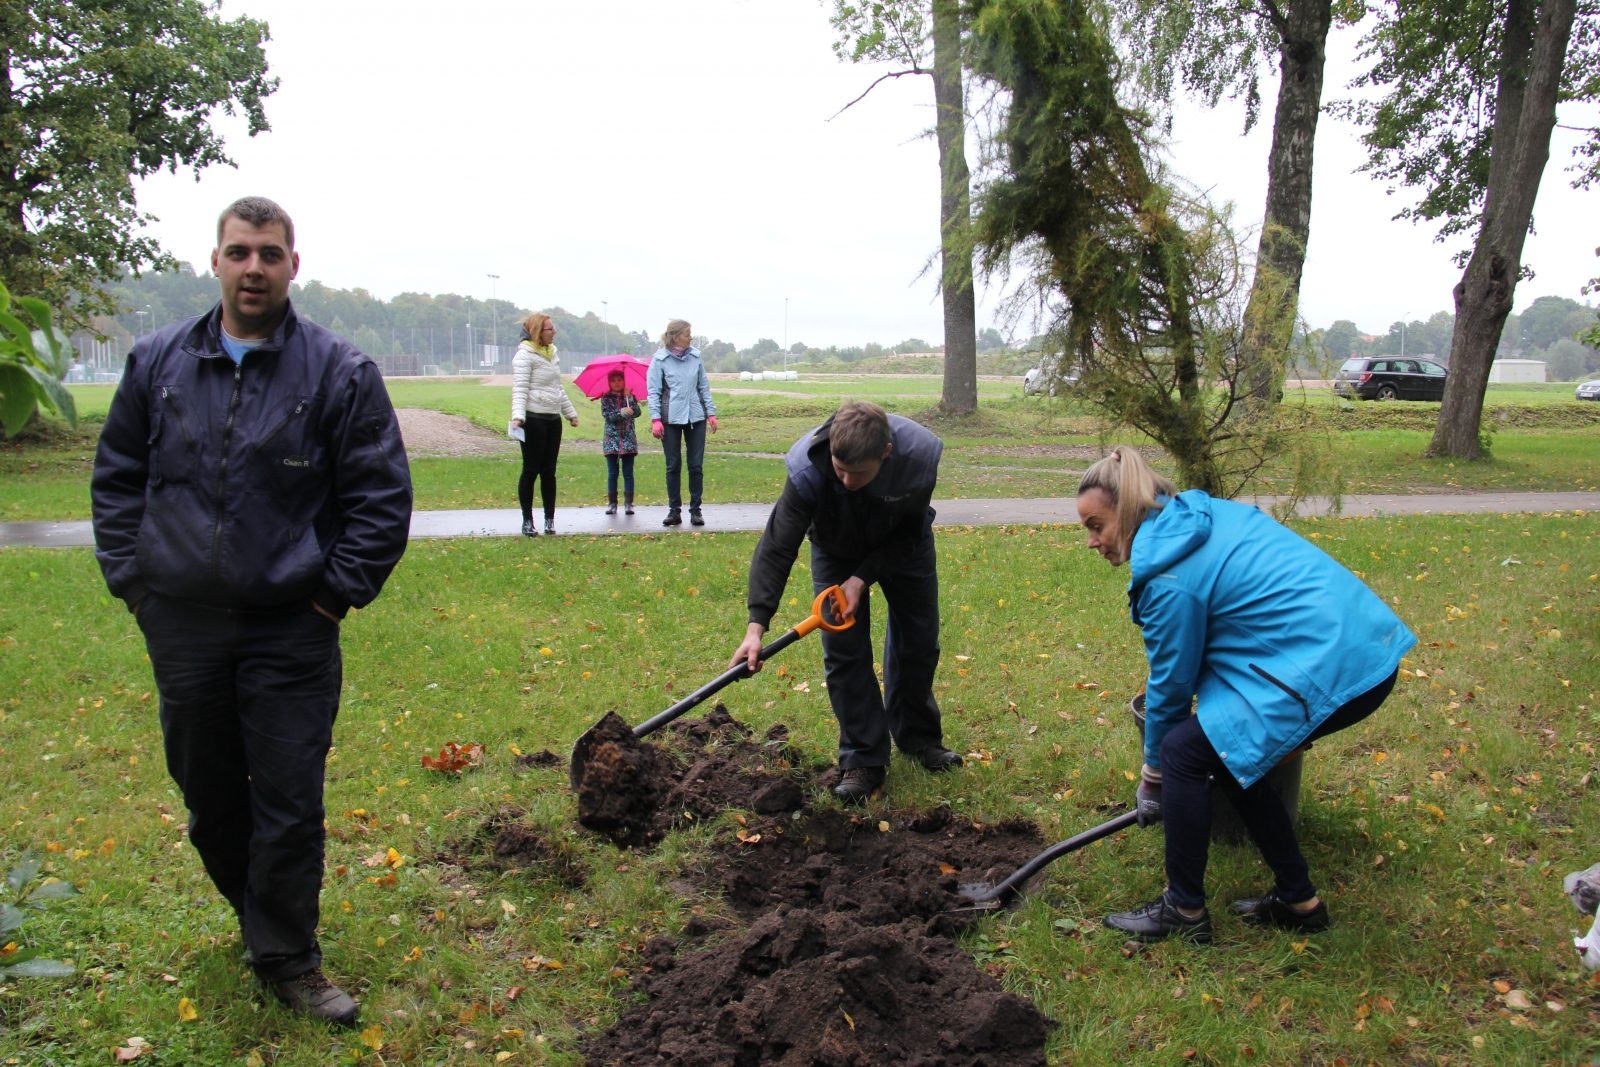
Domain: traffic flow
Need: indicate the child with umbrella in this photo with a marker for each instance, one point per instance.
(619, 407)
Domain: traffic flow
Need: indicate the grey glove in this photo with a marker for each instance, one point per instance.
(1147, 802)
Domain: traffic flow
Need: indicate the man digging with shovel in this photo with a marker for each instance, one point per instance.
(860, 484)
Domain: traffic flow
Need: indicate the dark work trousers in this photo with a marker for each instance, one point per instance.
(613, 461)
(248, 701)
(541, 446)
(1188, 762)
(692, 434)
(904, 708)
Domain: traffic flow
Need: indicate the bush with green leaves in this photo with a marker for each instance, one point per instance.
(27, 963)
(34, 357)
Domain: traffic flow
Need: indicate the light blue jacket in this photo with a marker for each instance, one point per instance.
(683, 380)
(1270, 632)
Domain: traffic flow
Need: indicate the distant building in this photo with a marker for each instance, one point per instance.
(1506, 371)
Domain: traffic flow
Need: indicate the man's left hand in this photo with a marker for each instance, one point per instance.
(711, 421)
(852, 589)
(320, 610)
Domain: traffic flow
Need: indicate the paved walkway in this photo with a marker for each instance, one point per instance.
(724, 517)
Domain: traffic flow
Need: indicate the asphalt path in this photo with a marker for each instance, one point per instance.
(507, 522)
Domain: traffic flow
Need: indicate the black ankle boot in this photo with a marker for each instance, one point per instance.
(627, 504)
(612, 510)
(858, 784)
(674, 518)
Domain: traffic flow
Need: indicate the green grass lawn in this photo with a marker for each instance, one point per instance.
(987, 455)
(1438, 832)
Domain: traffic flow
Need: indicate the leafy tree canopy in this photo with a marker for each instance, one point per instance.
(96, 93)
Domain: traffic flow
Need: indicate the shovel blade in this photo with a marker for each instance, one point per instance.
(980, 896)
(580, 758)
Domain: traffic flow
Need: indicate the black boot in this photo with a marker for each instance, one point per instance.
(312, 994)
(1159, 920)
(612, 510)
(627, 504)
(529, 529)
(1268, 910)
(695, 518)
(674, 518)
(937, 758)
(549, 525)
(858, 784)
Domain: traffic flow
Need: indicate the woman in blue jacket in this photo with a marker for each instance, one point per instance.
(681, 409)
(1280, 644)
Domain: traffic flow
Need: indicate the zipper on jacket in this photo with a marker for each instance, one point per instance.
(222, 471)
(276, 430)
(1285, 688)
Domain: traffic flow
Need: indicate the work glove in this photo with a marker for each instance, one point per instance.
(1147, 799)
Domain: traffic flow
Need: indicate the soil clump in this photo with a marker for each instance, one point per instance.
(848, 959)
(539, 759)
(504, 842)
(635, 791)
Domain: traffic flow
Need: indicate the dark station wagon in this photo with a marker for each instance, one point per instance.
(1390, 378)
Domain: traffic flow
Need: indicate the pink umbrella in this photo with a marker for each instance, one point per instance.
(593, 378)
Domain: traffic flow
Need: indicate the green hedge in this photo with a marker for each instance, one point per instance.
(1418, 415)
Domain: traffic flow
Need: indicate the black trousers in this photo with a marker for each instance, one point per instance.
(673, 440)
(1189, 762)
(541, 446)
(904, 708)
(247, 708)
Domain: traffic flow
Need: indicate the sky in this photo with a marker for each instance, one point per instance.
(652, 159)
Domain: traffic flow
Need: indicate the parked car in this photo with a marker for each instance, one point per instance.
(1389, 378)
(1044, 378)
(1589, 390)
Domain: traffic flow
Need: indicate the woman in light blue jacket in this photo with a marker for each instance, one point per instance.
(681, 409)
(1280, 644)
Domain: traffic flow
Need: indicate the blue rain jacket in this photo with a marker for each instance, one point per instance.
(678, 390)
(1270, 632)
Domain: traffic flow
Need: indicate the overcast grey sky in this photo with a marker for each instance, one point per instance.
(675, 158)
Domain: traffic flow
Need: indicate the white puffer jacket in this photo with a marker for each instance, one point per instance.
(536, 386)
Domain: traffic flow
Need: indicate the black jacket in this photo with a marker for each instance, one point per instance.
(278, 481)
(874, 527)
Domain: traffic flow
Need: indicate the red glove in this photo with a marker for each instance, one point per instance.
(656, 428)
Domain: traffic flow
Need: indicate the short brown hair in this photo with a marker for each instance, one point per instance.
(860, 432)
(258, 211)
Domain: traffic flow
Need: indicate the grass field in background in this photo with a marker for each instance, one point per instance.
(1438, 831)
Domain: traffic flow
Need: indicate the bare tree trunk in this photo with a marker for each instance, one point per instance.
(1533, 50)
(1281, 254)
(955, 216)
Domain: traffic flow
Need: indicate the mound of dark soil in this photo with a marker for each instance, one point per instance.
(635, 791)
(538, 759)
(845, 863)
(504, 842)
(846, 962)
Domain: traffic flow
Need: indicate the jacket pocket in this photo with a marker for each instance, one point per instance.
(153, 447)
(172, 444)
(288, 455)
(1285, 687)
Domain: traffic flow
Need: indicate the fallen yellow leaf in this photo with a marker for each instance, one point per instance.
(186, 1012)
(372, 1037)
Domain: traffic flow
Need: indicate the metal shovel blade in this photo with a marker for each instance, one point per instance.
(984, 897)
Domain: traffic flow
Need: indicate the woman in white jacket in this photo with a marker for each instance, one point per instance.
(538, 404)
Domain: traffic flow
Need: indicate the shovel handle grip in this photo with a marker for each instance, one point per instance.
(741, 671)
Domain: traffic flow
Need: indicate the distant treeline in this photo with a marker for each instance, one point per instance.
(401, 326)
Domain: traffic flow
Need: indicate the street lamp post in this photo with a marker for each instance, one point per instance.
(605, 328)
(786, 335)
(494, 317)
(141, 315)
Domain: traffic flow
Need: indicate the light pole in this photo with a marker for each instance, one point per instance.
(141, 315)
(470, 341)
(786, 335)
(494, 318)
(1403, 336)
(605, 328)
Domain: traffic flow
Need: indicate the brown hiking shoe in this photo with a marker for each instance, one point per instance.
(858, 784)
(312, 994)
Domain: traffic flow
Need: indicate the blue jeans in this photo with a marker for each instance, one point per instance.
(613, 461)
(1189, 762)
(692, 434)
(248, 700)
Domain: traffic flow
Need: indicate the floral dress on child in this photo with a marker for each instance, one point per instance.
(619, 436)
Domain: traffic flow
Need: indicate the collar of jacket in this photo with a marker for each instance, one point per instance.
(663, 353)
(547, 352)
(205, 338)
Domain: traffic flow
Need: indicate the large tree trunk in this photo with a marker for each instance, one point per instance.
(955, 216)
(1281, 253)
(1533, 50)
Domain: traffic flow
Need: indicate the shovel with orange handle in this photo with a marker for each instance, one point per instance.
(738, 673)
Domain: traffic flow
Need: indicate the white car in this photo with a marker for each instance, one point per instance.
(1586, 391)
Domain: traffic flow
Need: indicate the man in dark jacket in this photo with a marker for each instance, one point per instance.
(249, 489)
(861, 484)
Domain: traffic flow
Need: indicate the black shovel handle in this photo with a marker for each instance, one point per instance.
(1008, 888)
(713, 687)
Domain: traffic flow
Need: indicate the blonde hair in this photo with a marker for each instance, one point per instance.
(1133, 487)
(674, 328)
(534, 325)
